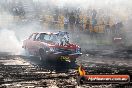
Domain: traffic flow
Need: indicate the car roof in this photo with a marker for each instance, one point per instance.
(49, 32)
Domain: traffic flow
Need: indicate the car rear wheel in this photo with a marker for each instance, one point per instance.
(26, 52)
(73, 60)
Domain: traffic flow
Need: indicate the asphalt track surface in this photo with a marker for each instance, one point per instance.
(18, 71)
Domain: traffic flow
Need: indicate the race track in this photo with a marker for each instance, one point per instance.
(25, 71)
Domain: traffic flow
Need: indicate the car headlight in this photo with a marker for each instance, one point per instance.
(78, 50)
(52, 49)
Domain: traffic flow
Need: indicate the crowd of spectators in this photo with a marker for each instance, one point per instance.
(91, 20)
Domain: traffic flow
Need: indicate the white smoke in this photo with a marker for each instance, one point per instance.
(8, 39)
(5, 19)
(12, 34)
(9, 42)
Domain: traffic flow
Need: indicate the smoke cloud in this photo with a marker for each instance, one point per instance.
(14, 30)
(9, 42)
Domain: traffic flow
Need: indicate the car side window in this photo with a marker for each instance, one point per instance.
(32, 37)
(41, 37)
(37, 38)
(47, 37)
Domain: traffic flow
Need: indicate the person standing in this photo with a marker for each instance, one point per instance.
(94, 22)
(66, 21)
(77, 21)
(87, 25)
(72, 21)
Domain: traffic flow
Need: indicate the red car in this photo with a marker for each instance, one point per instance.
(52, 46)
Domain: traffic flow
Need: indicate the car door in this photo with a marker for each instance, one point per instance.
(35, 44)
(31, 44)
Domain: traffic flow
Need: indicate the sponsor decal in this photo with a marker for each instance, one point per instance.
(65, 58)
(102, 78)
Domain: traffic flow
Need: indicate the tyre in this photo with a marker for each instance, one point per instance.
(43, 55)
(26, 52)
(73, 61)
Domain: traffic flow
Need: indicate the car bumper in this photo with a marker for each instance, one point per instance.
(73, 54)
(59, 54)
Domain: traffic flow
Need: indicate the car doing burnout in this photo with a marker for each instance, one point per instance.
(52, 46)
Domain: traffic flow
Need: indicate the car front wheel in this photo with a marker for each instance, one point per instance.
(42, 53)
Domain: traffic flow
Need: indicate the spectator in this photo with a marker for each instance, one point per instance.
(82, 24)
(66, 22)
(72, 21)
(94, 22)
(87, 24)
(77, 21)
(94, 13)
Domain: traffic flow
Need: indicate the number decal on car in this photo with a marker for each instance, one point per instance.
(64, 58)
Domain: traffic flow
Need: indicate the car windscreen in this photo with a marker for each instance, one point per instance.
(47, 37)
(58, 39)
